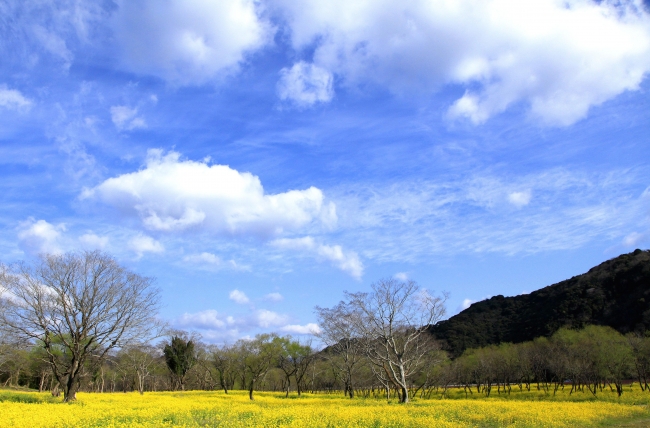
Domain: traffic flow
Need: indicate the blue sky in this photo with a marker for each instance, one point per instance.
(260, 157)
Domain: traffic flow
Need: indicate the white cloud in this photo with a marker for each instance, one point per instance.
(633, 239)
(54, 44)
(125, 118)
(188, 41)
(265, 318)
(211, 261)
(466, 304)
(347, 261)
(218, 326)
(305, 84)
(92, 241)
(208, 319)
(204, 258)
(401, 276)
(40, 236)
(141, 244)
(238, 297)
(474, 214)
(519, 199)
(274, 297)
(12, 99)
(558, 57)
(170, 194)
(309, 328)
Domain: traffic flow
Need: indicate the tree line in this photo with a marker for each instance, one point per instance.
(81, 322)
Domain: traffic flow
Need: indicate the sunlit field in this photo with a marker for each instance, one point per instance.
(201, 409)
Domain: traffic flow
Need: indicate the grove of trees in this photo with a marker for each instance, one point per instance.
(82, 322)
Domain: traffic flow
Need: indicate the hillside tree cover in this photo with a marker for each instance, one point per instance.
(615, 293)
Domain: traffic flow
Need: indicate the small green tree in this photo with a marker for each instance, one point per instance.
(224, 360)
(294, 360)
(257, 357)
(180, 358)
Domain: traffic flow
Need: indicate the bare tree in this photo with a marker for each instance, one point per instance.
(393, 319)
(344, 345)
(78, 305)
(139, 360)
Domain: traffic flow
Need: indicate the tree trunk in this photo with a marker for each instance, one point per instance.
(405, 395)
(70, 389)
(140, 384)
(403, 386)
(250, 391)
(41, 384)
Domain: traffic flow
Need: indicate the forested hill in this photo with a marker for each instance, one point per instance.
(615, 293)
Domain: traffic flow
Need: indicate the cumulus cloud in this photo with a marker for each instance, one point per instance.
(208, 319)
(347, 261)
(266, 318)
(39, 236)
(218, 326)
(92, 241)
(310, 328)
(305, 84)
(238, 297)
(557, 57)
(126, 119)
(274, 297)
(188, 41)
(171, 194)
(142, 244)
(12, 99)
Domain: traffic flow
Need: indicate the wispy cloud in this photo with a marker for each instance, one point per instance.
(410, 221)
(12, 99)
(211, 261)
(126, 119)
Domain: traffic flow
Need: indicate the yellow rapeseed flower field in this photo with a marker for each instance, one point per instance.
(216, 409)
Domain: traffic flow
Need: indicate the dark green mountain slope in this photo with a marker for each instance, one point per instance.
(615, 293)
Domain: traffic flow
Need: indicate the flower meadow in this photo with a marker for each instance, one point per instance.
(216, 409)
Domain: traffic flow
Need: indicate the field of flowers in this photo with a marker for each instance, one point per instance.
(215, 409)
